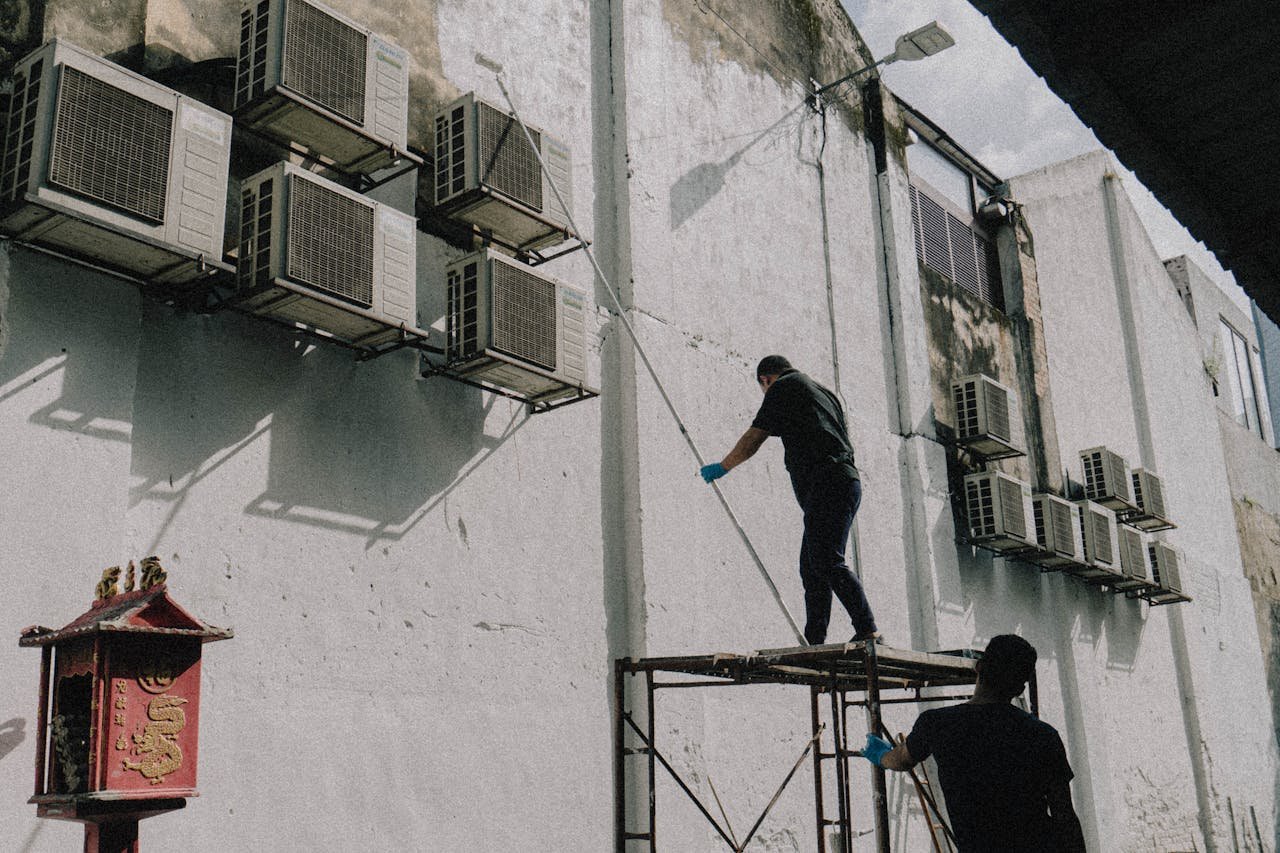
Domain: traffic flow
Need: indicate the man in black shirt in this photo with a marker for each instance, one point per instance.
(809, 420)
(1004, 773)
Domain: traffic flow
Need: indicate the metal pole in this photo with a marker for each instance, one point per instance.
(880, 791)
(842, 770)
(644, 358)
(653, 778)
(619, 761)
(819, 813)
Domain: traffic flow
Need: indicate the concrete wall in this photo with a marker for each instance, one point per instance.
(429, 586)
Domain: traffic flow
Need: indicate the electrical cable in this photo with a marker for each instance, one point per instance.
(644, 358)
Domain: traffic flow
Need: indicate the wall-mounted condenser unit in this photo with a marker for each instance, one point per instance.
(485, 173)
(1133, 561)
(316, 253)
(987, 417)
(1057, 524)
(112, 169)
(1166, 573)
(1106, 479)
(308, 76)
(513, 328)
(1000, 512)
(1148, 495)
(1101, 547)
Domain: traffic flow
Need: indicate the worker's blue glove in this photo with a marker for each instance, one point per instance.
(875, 749)
(714, 471)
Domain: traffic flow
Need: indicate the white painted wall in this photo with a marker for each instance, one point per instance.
(428, 586)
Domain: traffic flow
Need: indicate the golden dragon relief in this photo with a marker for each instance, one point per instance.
(156, 745)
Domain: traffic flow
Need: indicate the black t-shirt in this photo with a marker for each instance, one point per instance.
(996, 764)
(809, 420)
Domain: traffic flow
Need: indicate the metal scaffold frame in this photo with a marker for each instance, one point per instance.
(845, 676)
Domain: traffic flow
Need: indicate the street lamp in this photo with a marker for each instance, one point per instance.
(917, 44)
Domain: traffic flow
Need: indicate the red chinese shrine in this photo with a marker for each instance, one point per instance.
(119, 709)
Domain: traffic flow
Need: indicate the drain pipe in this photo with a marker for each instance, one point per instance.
(1146, 447)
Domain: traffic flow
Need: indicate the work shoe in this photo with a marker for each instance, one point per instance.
(862, 638)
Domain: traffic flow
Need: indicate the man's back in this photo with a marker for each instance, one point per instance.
(997, 765)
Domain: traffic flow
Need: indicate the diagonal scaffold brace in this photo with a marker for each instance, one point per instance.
(496, 68)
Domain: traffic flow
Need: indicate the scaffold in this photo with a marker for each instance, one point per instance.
(839, 677)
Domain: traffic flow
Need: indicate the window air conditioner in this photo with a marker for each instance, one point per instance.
(1057, 532)
(1164, 567)
(486, 174)
(1133, 561)
(112, 169)
(317, 253)
(512, 327)
(1106, 479)
(986, 421)
(309, 75)
(1000, 513)
(1098, 532)
(1148, 494)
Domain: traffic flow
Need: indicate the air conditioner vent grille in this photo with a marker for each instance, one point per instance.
(1132, 556)
(524, 315)
(251, 67)
(451, 153)
(1100, 526)
(1148, 494)
(324, 60)
(21, 132)
(1060, 516)
(966, 400)
(506, 161)
(464, 318)
(1015, 519)
(981, 504)
(998, 412)
(110, 145)
(330, 242)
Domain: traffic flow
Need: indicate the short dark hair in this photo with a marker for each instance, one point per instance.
(772, 365)
(1007, 664)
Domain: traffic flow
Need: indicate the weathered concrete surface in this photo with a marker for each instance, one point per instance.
(428, 586)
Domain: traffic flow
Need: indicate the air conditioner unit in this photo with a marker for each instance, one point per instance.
(112, 169)
(1106, 479)
(1000, 513)
(1057, 532)
(316, 253)
(1148, 494)
(309, 76)
(1164, 567)
(1098, 532)
(486, 174)
(511, 327)
(987, 418)
(1133, 561)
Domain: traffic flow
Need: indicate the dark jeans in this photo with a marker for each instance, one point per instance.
(829, 498)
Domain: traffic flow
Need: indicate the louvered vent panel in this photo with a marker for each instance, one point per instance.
(20, 134)
(1015, 517)
(261, 23)
(915, 222)
(1164, 566)
(1101, 528)
(1037, 513)
(966, 400)
(1095, 478)
(506, 162)
(964, 261)
(464, 325)
(330, 241)
(989, 272)
(110, 146)
(1060, 516)
(997, 411)
(933, 236)
(1148, 494)
(451, 154)
(244, 59)
(245, 265)
(524, 315)
(1117, 475)
(981, 505)
(1131, 553)
(324, 60)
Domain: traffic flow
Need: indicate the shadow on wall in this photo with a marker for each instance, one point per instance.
(12, 733)
(703, 182)
(78, 330)
(355, 447)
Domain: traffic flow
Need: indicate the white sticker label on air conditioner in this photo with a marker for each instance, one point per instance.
(389, 53)
(202, 124)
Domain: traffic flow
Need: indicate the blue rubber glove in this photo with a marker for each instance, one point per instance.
(875, 749)
(711, 472)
